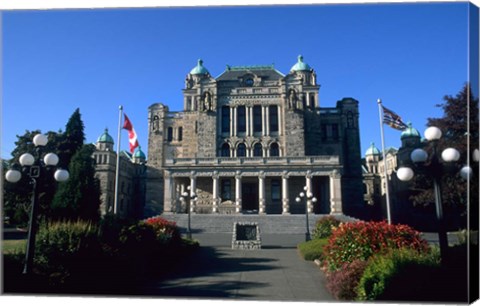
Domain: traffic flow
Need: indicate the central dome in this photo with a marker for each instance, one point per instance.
(300, 65)
(199, 69)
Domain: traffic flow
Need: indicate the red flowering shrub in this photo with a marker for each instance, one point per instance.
(360, 240)
(166, 231)
(343, 283)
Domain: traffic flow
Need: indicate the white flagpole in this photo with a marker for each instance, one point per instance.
(117, 165)
(387, 188)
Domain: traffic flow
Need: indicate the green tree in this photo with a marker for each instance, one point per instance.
(79, 197)
(459, 126)
(72, 139)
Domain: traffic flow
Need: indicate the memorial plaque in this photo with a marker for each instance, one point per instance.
(246, 236)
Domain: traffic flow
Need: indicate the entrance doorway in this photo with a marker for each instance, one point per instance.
(249, 197)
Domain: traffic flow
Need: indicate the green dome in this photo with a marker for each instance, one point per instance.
(199, 69)
(410, 131)
(372, 150)
(105, 137)
(300, 65)
(138, 153)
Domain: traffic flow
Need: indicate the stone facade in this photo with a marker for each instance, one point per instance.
(249, 141)
(132, 179)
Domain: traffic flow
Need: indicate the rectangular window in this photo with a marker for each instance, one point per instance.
(180, 134)
(225, 119)
(226, 190)
(169, 134)
(241, 119)
(335, 131)
(276, 191)
(273, 116)
(257, 119)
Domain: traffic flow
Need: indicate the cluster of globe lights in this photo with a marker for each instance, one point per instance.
(27, 160)
(449, 155)
(309, 196)
(185, 195)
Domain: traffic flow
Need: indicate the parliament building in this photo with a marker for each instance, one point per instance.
(250, 141)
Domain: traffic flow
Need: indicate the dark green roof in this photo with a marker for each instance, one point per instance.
(105, 137)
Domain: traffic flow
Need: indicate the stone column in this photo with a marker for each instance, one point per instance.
(193, 190)
(247, 120)
(231, 121)
(335, 193)
(285, 200)
(308, 183)
(238, 192)
(235, 121)
(267, 120)
(215, 192)
(264, 120)
(261, 193)
(280, 121)
(168, 188)
(251, 120)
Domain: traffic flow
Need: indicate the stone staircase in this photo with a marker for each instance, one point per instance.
(269, 224)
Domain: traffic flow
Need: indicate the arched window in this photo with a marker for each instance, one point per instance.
(257, 150)
(241, 150)
(274, 150)
(225, 151)
(312, 100)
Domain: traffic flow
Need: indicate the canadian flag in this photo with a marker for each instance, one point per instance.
(132, 135)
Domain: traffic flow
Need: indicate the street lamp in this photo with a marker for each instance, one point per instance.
(434, 169)
(33, 166)
(308, 196)
(189, 198)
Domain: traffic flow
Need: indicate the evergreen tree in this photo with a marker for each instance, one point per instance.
(459, 126)
(72, 139)
(79, 197)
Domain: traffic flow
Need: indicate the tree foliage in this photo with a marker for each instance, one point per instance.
(79, 197)
(74, 156)
(459, 126)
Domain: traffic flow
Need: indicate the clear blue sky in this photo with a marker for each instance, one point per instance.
(409, 55)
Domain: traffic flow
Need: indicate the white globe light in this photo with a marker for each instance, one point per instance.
(450, 155)
(418, 156)
(13, 176)
(297, 199)
(466, 172)
(185, 194)
(309, 194)
(405, 174)
(305, 188)
(302, 194)
(182, 199)
(61, 175)
(40, 140)
(51, 159)
(476, 155)
(26, 159)
(433, 133)
(314, 200)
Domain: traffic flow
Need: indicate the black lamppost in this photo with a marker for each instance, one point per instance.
(308, 196)
(188, 198)
(33, 166)
(435, 169)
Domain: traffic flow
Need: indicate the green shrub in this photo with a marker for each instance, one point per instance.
(342, 283)
(360, 240)
(398, 275)
(324, 226)
(313, 249)
(63, 248)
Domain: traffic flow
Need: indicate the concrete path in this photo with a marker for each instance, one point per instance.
(274, 273)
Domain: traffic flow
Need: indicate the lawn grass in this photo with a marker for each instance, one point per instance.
(313, 249)
(13, 246)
